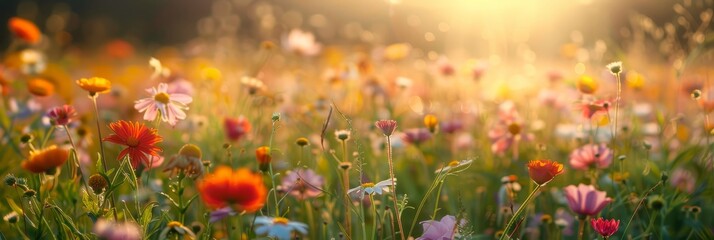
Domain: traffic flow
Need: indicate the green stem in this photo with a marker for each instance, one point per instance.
(47, 136)
(103, 155)
(581, 227)
(393, 186)
(376, 216)
(521, 209)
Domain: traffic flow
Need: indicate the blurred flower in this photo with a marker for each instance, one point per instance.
(543, 171)
(397, 51)
(95, 85)
(416, 136)
(262, 154)
(509, 129)
(302, 43)
(635, 80)
(46, 160)
(591, 155)
(187, 162)
(590, 109)
(40, 87)
(683, 180)
(62, 115)
(440, 230)
(371, 188)
(509, 188)
(25, 30)
(431, 122)
(253, 84)
(169, 106)
(615, 67)
(11, 217)
(119, 49)
(241, 188)
(211, 73)
(453, 165)
(343, 134)
(221, 213)
(387, 126)
(605, 228)
(451, 126)
(236, 128)
(445, 67)
(463, 142)
(587, 85)
(33, 61)
(404, 83)
(108, 230)
(302, 184)
(140, 141)
(181, 231)
(585, 200)
(278, 227)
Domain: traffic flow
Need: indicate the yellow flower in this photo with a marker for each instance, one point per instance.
(635, 80)
(430, 121)
(397, 51)
(95, 85)
(211, 73)
(587, 84)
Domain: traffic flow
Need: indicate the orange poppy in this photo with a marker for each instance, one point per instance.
(241, 188)
(264, 158)
(543, 171)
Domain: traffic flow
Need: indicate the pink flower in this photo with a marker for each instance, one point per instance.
(605, 228)
(236, 128)
(62, 115)
(591, 155)
(585, 199)
(596, 107)
(302, 43)
(170, 106)
(416, 135)
(303, 184)
(387, 126)
(683, 180)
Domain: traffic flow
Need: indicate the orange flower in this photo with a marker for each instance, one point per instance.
(46, 160)
(241, 188)
(140, 141)
(95, 85)
(264, 158)
(40, 87)
(543, 171)
(431, 122)
(25, 30)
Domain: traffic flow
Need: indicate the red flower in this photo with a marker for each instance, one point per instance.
(140, 141)
(387, 126)
(241, 188)
(236, 128)
(543, 171)
(606, 228)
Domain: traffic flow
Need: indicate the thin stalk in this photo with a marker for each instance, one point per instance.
(640, 204)
(518, 212)
(376, 216)
(345, 188)
(581, 227)
(104, 156)
(393, 186)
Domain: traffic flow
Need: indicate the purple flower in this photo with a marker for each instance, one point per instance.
(105, 229)
(416, 135)
(221, 213)
(303, 184)
(440, 230)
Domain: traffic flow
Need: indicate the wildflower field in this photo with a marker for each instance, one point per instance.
(260, 119)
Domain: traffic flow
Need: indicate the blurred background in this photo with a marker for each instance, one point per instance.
(456, 26)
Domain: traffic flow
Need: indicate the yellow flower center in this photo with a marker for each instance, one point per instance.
(280, 220)
(132, 141)
(162, 97)
(190, 150)
(367, 185)
(453, 163)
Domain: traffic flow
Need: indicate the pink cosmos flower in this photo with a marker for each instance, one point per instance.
(170, 106)
(509, 129)
(416, 135)
(683, 180)
(591, 155)
(585, 199)
(302, 43)
(62, 115)
(440, 230)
